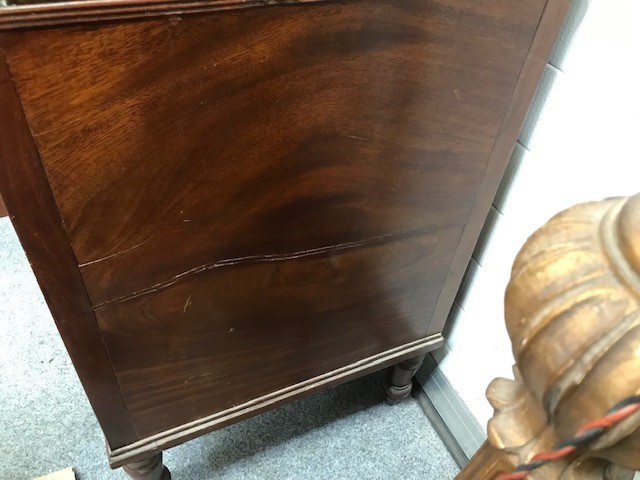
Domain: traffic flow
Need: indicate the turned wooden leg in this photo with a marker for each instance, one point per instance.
(148, 469)
(397, 383)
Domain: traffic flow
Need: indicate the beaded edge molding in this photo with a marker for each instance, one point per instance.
(14, 17)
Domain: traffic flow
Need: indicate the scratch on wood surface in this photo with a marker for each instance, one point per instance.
(275, 257)
(359, 138)
(102, 259)
(187, 304)
(138, 245)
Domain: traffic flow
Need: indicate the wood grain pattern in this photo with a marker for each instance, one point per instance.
(3, 209)
(212, 340)
(37, 221)
(274, 131)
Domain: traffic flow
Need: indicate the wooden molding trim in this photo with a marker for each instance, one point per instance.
(74, 12)
(25, 190)
(3, 209)
(170, 438)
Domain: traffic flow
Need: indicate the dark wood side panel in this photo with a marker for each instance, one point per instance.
(546, 34)
(199, 161)
(27, 195)
(171, 144)
(237, 332)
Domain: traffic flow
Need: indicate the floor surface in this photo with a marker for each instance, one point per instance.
(46, 422)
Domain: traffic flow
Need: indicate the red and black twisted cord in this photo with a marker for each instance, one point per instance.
(586, 434)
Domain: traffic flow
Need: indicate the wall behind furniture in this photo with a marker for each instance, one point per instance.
(580, 143)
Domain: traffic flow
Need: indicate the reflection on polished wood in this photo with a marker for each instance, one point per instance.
(572, 310)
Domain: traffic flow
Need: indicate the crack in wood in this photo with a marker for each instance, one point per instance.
(270, 257)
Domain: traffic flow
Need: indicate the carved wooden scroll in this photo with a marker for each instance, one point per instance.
(572, 310)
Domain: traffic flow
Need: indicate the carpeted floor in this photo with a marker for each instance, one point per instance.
(46, 423)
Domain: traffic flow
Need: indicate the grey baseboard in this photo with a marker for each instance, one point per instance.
(458, 429)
